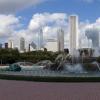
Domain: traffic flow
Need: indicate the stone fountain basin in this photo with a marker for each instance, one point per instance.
(82, 67)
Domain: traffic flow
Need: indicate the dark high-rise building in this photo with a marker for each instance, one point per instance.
(29, 47)
(6, 45)
(0, 45)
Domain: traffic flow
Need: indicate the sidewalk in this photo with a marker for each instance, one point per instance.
(21, 90)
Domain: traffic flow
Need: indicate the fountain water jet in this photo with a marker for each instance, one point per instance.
(97, 65)
(96, 52)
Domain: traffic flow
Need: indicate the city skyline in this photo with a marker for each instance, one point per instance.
(26, 18)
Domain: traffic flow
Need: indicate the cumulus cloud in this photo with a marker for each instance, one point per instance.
(93, 34)
(90, 31)
(8, 6)
(41, 20)
(48, 22)
(8, 24)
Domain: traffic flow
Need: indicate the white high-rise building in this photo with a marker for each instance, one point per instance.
(51, 45)
(22, 44)
(10, 44)
(60, 40)
(73, 30)
(40, 39)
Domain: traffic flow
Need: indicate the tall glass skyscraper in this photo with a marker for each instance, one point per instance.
(40, 39)
(22, 44)
(60, 40)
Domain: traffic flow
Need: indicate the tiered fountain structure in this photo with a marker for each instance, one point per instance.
(75, 63)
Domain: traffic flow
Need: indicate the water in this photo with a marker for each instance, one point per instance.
(43, 68)
(76, 68)
(96, 52)
(96, 65)
(69, 71)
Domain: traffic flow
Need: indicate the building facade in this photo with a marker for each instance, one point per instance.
(60, 40)
(40, 40)
(73, 30)
(22, 44)
(10, 44)
(0, 45)
(51, 45)
(6, 45)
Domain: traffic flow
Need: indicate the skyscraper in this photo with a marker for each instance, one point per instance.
(29, 47)
(0, 45)
(51, 45)
(40, 39)
(60, 40)
(22, 44)
(33, 45)
(6, 45)
(73, 30)
(10, 44)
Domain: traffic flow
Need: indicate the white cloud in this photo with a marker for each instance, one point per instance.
(41, 20)
(8, 24)
(8, 6)
(49, 22)
(86, 25)
(90, 32)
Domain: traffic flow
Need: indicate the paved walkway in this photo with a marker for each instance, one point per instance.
(20, 90)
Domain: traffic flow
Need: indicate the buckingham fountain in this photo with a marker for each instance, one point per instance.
(83, 63)
(80, 62)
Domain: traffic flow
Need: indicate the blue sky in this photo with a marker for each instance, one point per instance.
(24, 18)
(85, 9)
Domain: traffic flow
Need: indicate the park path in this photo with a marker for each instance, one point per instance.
(21, 90)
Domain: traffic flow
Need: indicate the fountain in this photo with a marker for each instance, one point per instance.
(98, 66)
(96, 52)
(70, 64)
(77, 68)
(73, 64)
